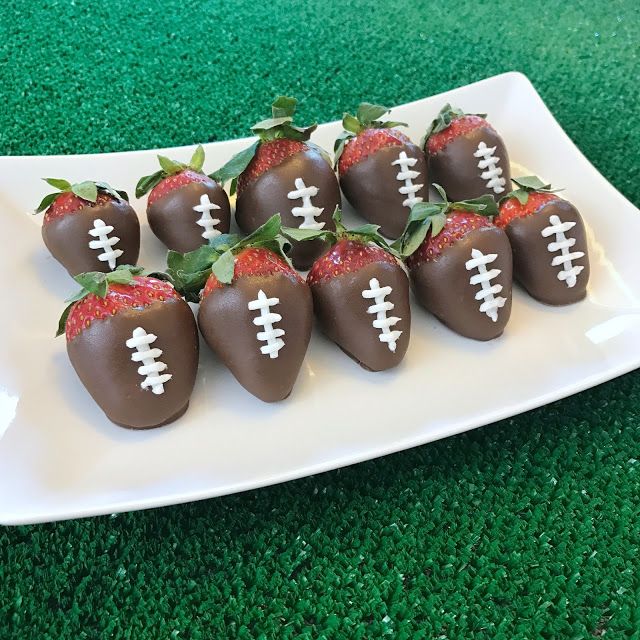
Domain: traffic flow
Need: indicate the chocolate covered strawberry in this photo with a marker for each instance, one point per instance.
(133, 342)
(460, 264)
(185, 208)
(89, 226)
(360, 294)
(255, 309)
(548, 240)
(466, 155)
(382, 173)
(282, 172)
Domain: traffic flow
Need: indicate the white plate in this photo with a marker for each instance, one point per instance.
(61, 458)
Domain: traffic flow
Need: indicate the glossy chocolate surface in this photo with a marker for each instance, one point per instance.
(372, 187)
(456, 168)
(342, 312)
(268, 195)
(532, 259)
(227, 325)
(67, 237)
(103, 363)
(442, 285)
(173, 219)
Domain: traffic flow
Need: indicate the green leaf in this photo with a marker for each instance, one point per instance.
(62, 322)
(107, 188)
(268, 231)
(270, 123)
(292, 132)
(338, 145)
(283, 106)
(197, 159)
(300, 235)
(441, 192)
(389, 124)
(94, 282)
(170, 166)
(223, 267)
(58, 183)
(123, 195)
(351, 123)
(531, 183)
(86, 190)
(47, 201)
(444, 118)
(484, 205)
(437, 223)
(234, 167)
(368, 112)
(146, 183)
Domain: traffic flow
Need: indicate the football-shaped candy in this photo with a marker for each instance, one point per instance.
(89, 226)
(133, 342)
(185, 208)
(466, 155)
(549, 243)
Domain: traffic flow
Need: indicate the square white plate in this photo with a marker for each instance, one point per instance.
(61, 458)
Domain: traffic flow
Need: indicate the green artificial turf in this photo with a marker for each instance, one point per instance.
(529, 528)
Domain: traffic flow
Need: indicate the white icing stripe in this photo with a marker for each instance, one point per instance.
(206, 221)
(266, 320)
(569, 272)
(490, 303)
(407, 176)
(488, 165)
(380, 308)
(151, 367)
(307, 211)
(104, 243)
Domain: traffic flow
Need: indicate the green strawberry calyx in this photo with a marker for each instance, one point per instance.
(97, 283)
(527, 185)
(189, 272)
(444, 118)
(432, 216)
(367, 117)
(169, 168)
(87, 190)
(279, 126)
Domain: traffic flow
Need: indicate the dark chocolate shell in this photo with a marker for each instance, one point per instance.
(84, 240)
(468, 286)
(550, 255)
(304, 190)
(186, 218)
(472, 165)
(367, 313)
(108, 354)
(263, 351)
(384, 186)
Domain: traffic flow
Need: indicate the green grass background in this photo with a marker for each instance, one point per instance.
(529, 528)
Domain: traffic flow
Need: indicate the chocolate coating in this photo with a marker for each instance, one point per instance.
(67, 237)
(442, 285)
(532, 259)
(102, 360)
(456, 168)
(371, 186)
(226, 324)
(342, 312)
(173, 219)
(267, 195)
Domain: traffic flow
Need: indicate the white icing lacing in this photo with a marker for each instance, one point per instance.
(150, 368)
(490, 303)
(105, 243)
(380, 308)
(266, 320)
(407, 176)
(569, 272)
(206, 221)
(307, 211)
(488, 165)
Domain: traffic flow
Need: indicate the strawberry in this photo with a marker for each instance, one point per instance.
(133, 342)
(382, 173)
(360, 294)
(255, 309)
(185, 208)
(549, 243)
(460, 264)
(466, 155)
(282, 172)
(89, 226)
